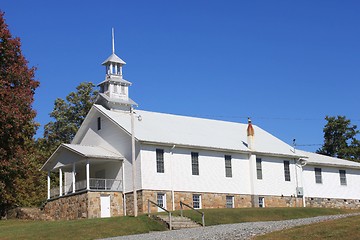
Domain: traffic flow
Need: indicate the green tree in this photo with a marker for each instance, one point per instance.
(340, 139)
(69, 115)
(17, 126)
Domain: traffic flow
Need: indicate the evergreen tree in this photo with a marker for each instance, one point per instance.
(340, 139)
(17, 126)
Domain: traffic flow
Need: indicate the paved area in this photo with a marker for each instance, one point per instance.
(230, 231)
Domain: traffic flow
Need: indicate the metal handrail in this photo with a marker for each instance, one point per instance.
(149, 211)
(202, 213)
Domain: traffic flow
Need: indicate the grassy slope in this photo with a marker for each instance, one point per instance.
(77, 229)
(224, 216)
(117, 226)
(346, 228)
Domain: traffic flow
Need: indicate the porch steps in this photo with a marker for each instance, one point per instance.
(178, 222)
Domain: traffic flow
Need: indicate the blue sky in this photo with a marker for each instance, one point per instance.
(286, 64)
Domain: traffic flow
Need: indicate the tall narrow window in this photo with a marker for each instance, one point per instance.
(160, 160)
(287, 170)
(98, 123)
(258, 168)
(195, 163)
(228, 170)
(229, 201)
(343, 177)
(196, 201)
(318, 177)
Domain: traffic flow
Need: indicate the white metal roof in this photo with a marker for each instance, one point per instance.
(197, 132)
(113, 58)
(82, 151)
(319, 159)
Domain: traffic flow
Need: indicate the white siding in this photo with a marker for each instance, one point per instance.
(273, 179)
(330, 186)
(112, 137)
(211, 176)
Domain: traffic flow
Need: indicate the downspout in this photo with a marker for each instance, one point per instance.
(123, 188)
(252, 160)
(171, 172)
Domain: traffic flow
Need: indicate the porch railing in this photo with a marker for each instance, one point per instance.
(94, 184)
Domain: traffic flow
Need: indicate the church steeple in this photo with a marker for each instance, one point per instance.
(114, 90)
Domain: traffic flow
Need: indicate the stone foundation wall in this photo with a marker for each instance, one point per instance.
(67, 207)
(208, 200)
(82, 205)
(332, 202)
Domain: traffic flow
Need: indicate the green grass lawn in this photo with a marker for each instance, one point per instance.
(117, 226)
(345, 228)
(78, 229)
(238, 215)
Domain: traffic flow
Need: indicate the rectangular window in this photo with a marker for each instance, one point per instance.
(287, 170)
(318, 178)
(196, 201)
(98, 123)
(228, 170)
(261, 202)
(161, 200)
(195, 163)
(160, 160)
(229, 201)
(258, 168)
(343, 177)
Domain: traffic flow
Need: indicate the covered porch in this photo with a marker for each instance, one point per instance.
(77, 168)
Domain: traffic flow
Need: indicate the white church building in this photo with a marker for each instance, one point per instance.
(203, 162)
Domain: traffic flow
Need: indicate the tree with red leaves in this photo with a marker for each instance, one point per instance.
(17, 126)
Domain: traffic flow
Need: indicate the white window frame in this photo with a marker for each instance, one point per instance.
(287, 171)
(259, 174)
(198, 201)
(318, 175)
(229, 201)
(261, 202)
(228, 166)
(195, 163)
(342, 175)
(160, 162)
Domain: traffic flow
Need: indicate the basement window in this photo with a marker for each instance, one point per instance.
(229, 201)
(196, 201)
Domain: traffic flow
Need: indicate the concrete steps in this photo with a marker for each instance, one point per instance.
(178, 222)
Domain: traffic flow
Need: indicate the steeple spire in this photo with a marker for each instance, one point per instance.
(114, 90)
(113, 41)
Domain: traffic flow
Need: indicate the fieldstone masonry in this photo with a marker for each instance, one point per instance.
(82, 205)
(332, 203)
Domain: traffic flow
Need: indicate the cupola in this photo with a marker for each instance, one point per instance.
(114, 90)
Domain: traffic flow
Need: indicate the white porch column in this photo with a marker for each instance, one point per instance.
(60, 182)
(65, 186)
(48, 184)
(73, 178)
(87, 174)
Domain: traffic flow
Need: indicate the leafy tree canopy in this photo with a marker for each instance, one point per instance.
(340, 139)
(17, 126)
(69, 115)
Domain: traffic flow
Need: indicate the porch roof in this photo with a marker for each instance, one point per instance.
(77, 152)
